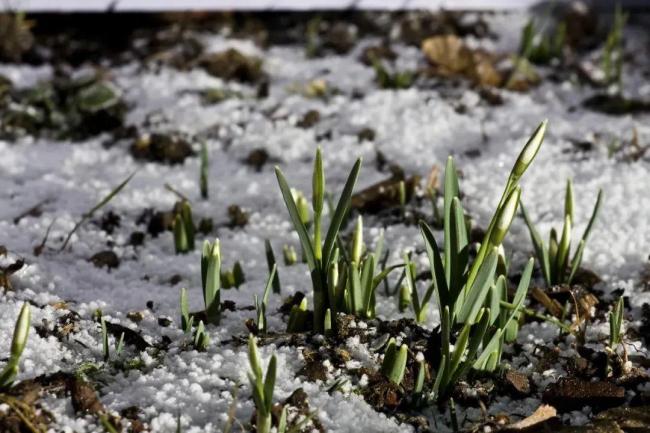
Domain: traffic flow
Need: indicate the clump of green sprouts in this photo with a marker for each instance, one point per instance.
(320, 254)
(472, 298)
(18, 342)
(556, 262)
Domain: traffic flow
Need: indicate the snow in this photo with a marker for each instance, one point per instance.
(416, 128)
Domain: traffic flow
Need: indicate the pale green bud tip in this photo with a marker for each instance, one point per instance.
(357, 241)
(530, 149)
(506, 215)
(21, 331)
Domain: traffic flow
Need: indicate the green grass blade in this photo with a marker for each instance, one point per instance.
(295, 219)
(538, 244)
(594, 215)
(459, 248)
(341, 209)
(269, 383)
(451, 192)
(478, 292)
(437, 269)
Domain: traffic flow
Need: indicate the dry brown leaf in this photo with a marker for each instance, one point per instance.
(450, 56)
(541, 414)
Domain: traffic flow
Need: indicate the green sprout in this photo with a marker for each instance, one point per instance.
(18, 342)
(396, 80)
(556, 262)
(201, 338)
(289, 255)
(616, 324)
(233, 278)
(353, 279)
(612, 62)
(119, 343)
(186, 320)
(260, 307)
(261, 387)
(211, 280)
(203, 172)
(394, 364)
(184, 229)
(538, 47)
(88, 214)
(319, 255)
(298, 317)
(472, 298)
(271, 263)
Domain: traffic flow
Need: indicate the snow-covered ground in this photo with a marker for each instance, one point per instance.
(416, 128)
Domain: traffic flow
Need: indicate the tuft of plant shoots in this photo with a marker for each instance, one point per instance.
(616, 324)
(394, 364)
(262, 387)
(233, 278)
(203, 172)
(201, 338)
(18, 342)
(211, 280)
(472, 297)
(319, 257)
(556, 262)
(184, 229)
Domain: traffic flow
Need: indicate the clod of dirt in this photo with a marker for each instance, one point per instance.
(136, 239)
(314, 369)
(84, 398)
(310, 118)
(105, 259)
(109, 222)
(169, 149)
(205, 226)
(257, 158)
(237, 216)
(131, 337)
(573, 394)
(616, 104)
(233, 65)
(366, 134)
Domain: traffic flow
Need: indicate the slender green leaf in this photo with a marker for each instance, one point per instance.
(295, 219)
(341, 209)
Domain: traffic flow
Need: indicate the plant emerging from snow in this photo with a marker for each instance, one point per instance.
(261, 386)
(211, 280)
(394, 363)
(320, 255)
(18, 342)
(184, 229)
(473, 298)
(558, 267)
(260, 306)
(616, 324)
